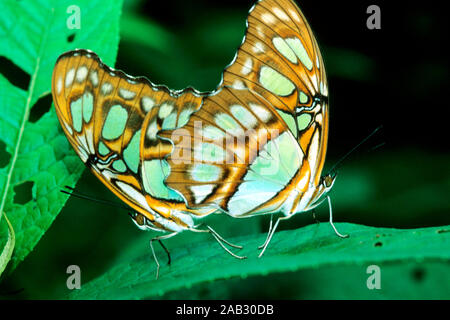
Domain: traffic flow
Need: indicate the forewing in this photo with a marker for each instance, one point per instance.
(228, 154)
(280, 60)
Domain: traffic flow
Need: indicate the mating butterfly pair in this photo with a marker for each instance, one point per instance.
(256, 145)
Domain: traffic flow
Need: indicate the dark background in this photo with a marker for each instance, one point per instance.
(396, 77)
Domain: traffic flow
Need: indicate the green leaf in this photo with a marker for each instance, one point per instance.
(7, 251)
(309, 247)
(32, 35)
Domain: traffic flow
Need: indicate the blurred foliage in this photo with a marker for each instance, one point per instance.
(404, 184)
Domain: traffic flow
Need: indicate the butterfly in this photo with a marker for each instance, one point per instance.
(255, 145)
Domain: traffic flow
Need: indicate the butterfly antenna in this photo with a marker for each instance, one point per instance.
(339, 163)
(376, 147)
(86, 197)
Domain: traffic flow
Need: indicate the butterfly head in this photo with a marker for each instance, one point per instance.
(327, 181)
(323, 188)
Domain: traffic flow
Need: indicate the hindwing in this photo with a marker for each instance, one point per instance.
(102, 111)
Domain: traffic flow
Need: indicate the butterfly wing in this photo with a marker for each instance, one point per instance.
(234, 154)
(279, 68)
(143, 141)
(102, 110)
(280, 60)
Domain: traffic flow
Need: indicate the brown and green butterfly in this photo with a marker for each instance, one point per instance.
(256, 145)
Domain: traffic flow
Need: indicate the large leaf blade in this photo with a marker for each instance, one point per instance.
(32, 35)
(309, 247)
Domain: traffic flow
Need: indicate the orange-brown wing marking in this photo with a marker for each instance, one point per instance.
(213, 152)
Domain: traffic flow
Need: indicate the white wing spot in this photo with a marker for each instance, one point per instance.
(69, 129)
(319, 118)
(247, 67)
(260, 111)
(302, 183)
(323, 88)
(82, 154)
(152, 130)
(94, 78)
(69, 77)
(59, 85)
(238, 84)
(259, 48)
(126, 94)
(106, 88)
(268, 18)
(313, 151)
(165, 110)
(134, 194)
(82, 73)
(281, 14)
(260, 31)
(147, 103)
(201, 192)
(315, 82)
(294, 15)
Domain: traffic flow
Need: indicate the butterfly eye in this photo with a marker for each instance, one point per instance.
(328, 180)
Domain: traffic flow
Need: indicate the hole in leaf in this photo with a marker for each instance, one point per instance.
(41, 107)
(418, 274)
(4, 155)
(23, 192)
(71, 38)
(378, 244)
(14, 74)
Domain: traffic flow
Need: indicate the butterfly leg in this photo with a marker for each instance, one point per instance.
(271, 232)
(268, 233)
(221, 241)
(166, 236)
(331, 220)
(169, 260)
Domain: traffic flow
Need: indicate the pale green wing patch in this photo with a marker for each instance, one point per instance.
(275, 82)
(297, 46)
(277, 163)
(131, 152)
(76, 112)
(155, 172)
(115, 122)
